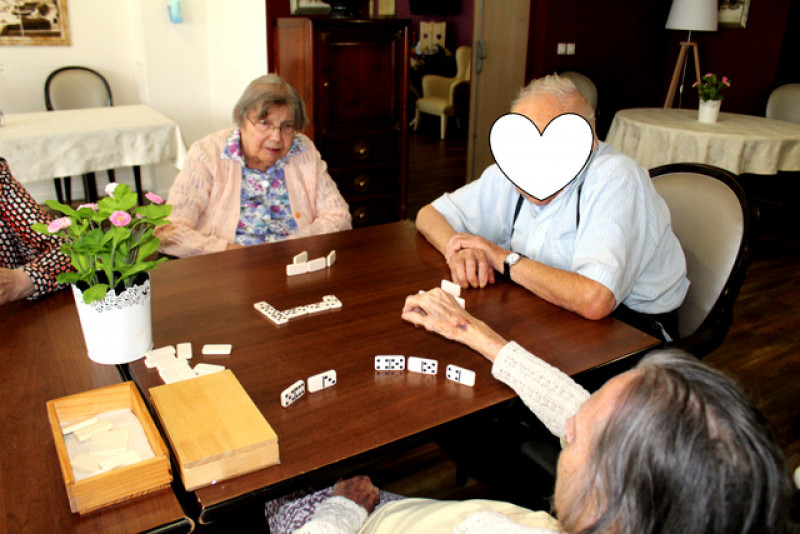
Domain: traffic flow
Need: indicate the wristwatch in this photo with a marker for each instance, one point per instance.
(511, 260)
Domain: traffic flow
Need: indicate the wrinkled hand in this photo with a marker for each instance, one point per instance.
(439, 312)
(14, 285)
(471, 260)
(360, 490)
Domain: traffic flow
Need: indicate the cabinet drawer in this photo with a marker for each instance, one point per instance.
(374, 212)
(367, 182)
(361, 149)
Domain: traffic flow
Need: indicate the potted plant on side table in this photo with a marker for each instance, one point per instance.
(110, 245)
(710, 88)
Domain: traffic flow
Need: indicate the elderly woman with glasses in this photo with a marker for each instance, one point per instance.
(259, 182)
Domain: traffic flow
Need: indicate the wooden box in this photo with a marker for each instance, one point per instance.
(122, 483)
(215, 429)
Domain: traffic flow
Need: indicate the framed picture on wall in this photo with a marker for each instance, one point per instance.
(44, 22)
(733, 13)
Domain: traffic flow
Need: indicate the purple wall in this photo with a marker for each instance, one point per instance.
(459, 27)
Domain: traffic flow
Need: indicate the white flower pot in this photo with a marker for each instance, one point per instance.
(117, 329)
(708, 111)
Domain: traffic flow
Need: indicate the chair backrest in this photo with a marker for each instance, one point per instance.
(76, 87)
(585, 85)
(712, 219)
(463, 61)
(784, 103)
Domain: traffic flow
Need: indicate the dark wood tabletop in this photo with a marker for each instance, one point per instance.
(209, 299)
(43, 357)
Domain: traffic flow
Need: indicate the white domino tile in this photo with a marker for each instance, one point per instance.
(317, 264)
(321, 381)
(184, 350)
(422, 365)
(207, 369)
(332, 302)
(460, 375)
(451, 287)
(217, 349)
(293, 269)
(270, 312)
(292, 393)
(390, 362)
(331, 258)
(300, 258)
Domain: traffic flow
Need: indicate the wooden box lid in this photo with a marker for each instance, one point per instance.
(215, 429)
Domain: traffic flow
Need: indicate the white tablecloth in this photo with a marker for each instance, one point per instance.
(52, 144)
(738, 143)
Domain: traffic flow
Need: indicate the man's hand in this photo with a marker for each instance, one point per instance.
(14, 285)
(360, 490)
(473, 260)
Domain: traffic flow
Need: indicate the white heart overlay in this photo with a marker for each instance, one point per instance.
(541, 163)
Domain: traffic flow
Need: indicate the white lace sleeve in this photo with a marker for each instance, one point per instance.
(496, 523)
(337, 515)
(549, 393)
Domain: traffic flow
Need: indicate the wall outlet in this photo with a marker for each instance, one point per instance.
(570, 49)
(561, 49)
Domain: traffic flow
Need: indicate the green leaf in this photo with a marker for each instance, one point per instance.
(63, 208)
(96, 292)
(68, 278)
(41, 228)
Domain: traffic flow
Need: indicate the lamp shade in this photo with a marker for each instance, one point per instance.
(693, 15)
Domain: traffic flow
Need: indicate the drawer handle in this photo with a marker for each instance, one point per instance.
(361, 183)
(360, 215)
(361, 150)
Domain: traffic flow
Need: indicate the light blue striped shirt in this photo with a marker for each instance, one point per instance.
(623, 239)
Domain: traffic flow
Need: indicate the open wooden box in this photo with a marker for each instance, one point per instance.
(122, 483)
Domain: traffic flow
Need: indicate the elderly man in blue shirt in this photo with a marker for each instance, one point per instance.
(600, 244)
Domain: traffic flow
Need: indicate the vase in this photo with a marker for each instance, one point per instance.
(708, 111)
(117, 329)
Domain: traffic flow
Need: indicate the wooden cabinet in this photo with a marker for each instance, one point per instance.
(353, 77)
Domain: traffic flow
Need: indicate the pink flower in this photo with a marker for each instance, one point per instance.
(709, 75)
(110, 189)
(694, 84)
(120, 218)
(726, 81)
(155, 199)
(58, 225)
(92, 206)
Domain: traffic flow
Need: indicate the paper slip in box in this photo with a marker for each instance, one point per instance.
(122, 483)
(215, 429)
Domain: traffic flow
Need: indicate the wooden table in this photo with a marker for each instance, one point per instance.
(738, 143)
(209, 299)
(43, 357)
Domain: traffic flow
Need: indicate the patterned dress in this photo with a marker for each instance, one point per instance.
(38, 255)
(266, 214)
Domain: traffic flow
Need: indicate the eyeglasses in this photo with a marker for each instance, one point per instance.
(287, 128)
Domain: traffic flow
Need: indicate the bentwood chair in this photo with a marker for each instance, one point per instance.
(76, 87)
(714, 222)
(784, 103)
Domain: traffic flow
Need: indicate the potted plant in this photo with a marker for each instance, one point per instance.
(709, 89)
(110, 245)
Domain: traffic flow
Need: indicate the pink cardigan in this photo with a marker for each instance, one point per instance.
(206, 197)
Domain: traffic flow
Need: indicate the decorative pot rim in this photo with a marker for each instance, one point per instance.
(132, 296)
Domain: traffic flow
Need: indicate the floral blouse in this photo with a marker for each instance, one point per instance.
(38, 255)
(266, 214)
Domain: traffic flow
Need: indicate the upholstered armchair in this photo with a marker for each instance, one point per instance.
(440, 93)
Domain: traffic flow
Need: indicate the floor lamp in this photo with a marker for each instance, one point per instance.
(691, 15)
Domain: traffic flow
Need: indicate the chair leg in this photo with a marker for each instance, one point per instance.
(90, 187)
(112, 176)
(444, 126)
(416, 119)
(137, 181)
(59, 193)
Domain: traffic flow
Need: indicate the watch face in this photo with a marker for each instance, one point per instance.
(513, 258)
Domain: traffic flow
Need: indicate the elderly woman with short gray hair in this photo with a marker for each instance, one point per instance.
(259, 182)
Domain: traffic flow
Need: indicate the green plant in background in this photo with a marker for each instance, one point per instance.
(109, 242)
(710, 87)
